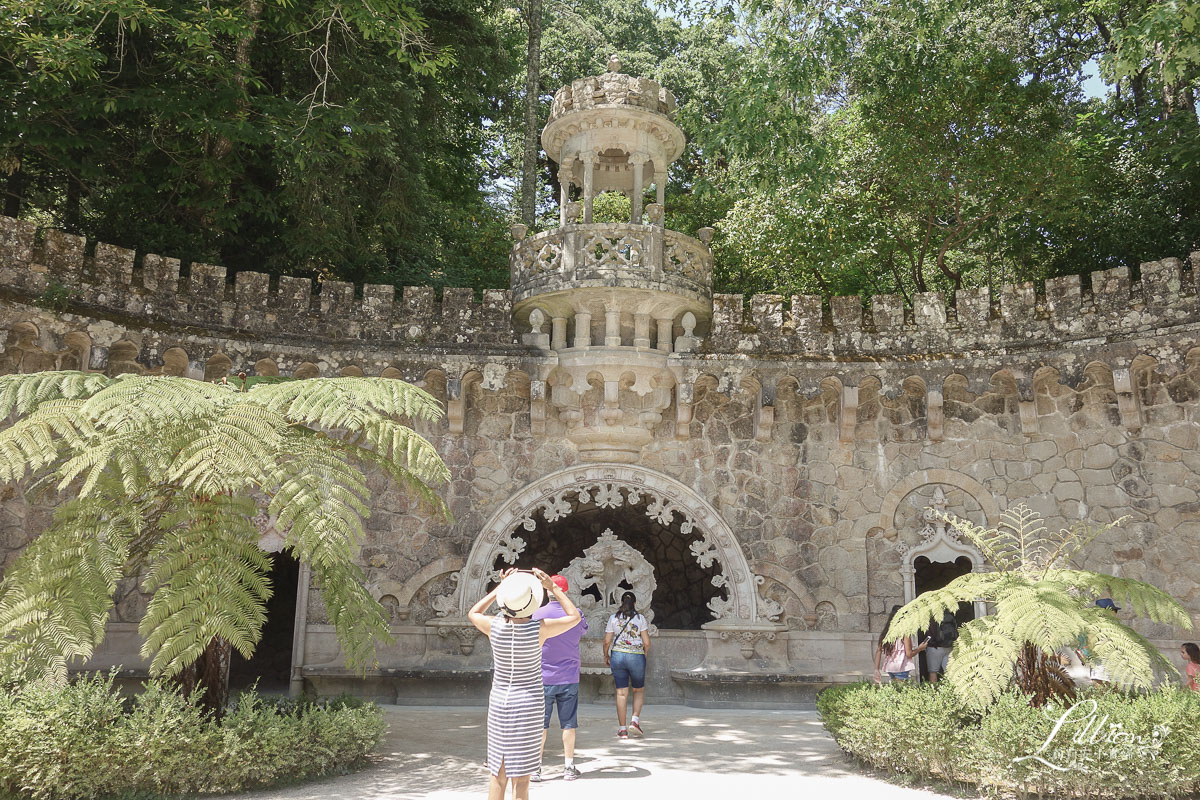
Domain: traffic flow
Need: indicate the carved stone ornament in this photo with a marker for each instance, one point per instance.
(747, 639)
(610, 565)
(464, 635)
(665, 500)
(935, 528)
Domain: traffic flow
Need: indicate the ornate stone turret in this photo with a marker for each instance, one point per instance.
(632, 292)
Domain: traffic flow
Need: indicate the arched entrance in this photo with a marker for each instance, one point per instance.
(667, 522)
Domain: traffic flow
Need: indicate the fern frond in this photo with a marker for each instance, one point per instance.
(23, 393)
(982, 662)
(994, 544)
(356, 615)
(55, 599)
(37, 441)
(208, 578)
(1039, 615)
(341, 402)
(915, 616)
(1129, 658)
(413, 483)
(137, 402)
(1145, 599)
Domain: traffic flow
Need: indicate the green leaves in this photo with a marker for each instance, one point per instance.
(1039, 602)
(172, 465)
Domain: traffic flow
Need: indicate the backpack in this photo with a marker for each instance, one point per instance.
(947, 630)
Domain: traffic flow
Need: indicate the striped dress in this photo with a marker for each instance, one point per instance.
(517, 703)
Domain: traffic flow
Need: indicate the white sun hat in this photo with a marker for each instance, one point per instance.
(519, 595)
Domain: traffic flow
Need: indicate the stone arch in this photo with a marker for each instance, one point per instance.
(406, 591)
(175, 362)
(667, 498)
(266, 367)
(938, 543)
(217, 367)
(914, 481)
(307, 370)
(79, 347)
(122, 358)
(794, 586)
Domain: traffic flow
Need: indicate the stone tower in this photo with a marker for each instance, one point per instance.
(631, 293)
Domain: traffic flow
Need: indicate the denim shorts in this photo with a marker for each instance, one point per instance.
(566, 697)
(899, 676)
(628, 669)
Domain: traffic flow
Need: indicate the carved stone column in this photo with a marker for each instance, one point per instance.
(589, 169)
(638, 160)
(583, 329)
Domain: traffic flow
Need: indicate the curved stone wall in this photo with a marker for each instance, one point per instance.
(817, 438)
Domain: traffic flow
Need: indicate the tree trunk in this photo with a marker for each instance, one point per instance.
(210, 675)
(529, 161)
(1042, 677)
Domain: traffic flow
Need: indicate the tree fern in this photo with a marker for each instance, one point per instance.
(1041, 604)
(159, 473)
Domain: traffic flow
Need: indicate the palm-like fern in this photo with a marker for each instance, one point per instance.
(156, 475)
(1041, 603)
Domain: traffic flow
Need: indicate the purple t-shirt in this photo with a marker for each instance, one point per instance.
(560, 654)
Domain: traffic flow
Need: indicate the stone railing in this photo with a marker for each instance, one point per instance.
(613, 88)
(611, 254)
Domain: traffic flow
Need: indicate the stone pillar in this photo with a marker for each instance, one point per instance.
(638, 160)
(641, 330)
(660, 186)
(300, 631)
(664, 333)
(612, 326)
(589, 170)
(558, 333)
(564, 196)
(583, 329)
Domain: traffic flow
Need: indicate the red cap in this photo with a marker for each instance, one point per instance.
(559, 581)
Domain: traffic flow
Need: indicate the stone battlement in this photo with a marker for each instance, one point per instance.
(1027, 314)
(105, 280)
(157, 289)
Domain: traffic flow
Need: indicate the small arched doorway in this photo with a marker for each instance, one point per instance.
(271, 663)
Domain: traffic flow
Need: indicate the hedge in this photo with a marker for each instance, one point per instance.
(1110, 745)
(84, 740)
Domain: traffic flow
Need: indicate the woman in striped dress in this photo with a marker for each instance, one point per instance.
(516, 705)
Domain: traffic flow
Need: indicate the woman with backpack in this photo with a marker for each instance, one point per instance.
(626, 644)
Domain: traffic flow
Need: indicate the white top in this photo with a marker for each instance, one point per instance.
(628, 637)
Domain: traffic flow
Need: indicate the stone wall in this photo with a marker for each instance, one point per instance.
(818, 437)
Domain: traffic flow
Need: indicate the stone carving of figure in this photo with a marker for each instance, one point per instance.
(610, 565)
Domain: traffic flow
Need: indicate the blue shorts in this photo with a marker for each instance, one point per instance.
(566, 697)
(628, 669)
(899, 676)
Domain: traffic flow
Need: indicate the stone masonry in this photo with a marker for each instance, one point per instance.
(797, 441)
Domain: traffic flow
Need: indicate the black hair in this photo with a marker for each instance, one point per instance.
(887, 647)
(1193, 651)
(627, 610)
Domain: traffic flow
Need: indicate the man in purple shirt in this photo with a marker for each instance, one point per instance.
(560, 679)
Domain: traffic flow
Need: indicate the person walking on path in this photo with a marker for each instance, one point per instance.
(942, 636)
(560, 681)
(626, 646)
(516, 703)
(895, 657)
(1191, 670)
(1087, 652)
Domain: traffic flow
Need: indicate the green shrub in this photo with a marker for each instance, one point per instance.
(84, 740)
(1114, 745)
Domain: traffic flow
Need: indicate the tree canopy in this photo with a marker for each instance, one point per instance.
(843, 146)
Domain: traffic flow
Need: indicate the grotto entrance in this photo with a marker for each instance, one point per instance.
(933, 575)
(271, 663)
(593, 543)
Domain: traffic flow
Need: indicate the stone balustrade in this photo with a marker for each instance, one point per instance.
(611, 254)
(612, 89)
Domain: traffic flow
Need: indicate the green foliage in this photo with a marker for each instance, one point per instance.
(1041, 602)
(158, 478)
(56, 297)
(1127, 745)
(83, 740)
(292, 137)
